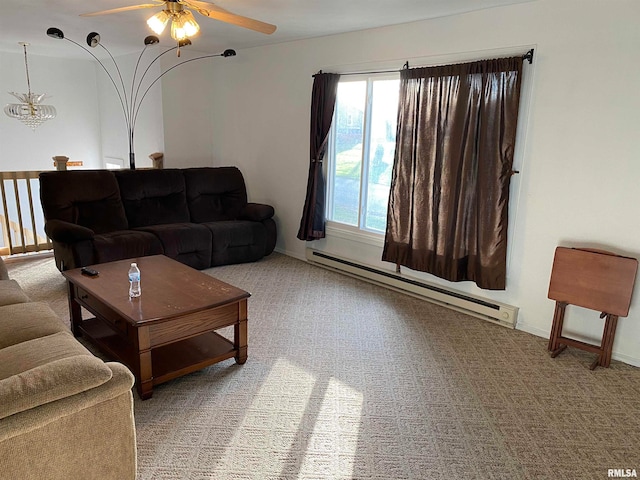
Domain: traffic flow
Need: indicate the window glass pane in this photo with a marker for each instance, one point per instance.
(349, 124)
(382, 144)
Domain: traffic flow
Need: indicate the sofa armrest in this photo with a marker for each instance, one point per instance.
(90, 435)
(50, 382)
(29, 420)
(67, 232)
(256, 212)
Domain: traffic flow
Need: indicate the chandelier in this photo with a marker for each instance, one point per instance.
(30, 111)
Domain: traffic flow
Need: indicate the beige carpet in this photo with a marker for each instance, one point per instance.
(346, 380)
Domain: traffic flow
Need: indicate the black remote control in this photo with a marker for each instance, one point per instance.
(89, 272)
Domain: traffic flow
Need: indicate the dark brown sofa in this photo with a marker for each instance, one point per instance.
(198, 216)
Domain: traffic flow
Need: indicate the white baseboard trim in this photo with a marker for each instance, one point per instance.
(21, 257)
(626, 359)
(533, 330)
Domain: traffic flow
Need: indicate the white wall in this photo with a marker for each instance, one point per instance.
(71, 89)
(188, 104)
(579, 171)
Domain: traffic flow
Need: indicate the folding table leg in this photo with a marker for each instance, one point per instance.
(556, 329)
(607, 339)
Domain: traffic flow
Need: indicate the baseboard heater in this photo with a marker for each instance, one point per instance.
(499, 313)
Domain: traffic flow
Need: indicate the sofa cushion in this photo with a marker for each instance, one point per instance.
(21, 322)
(90, 198)
(101, 216)
(125, 244)
(153, 197)
(236, 242)
(189, 243)
(51, 381)
(24, 356)
(215, 194)
(10, 293)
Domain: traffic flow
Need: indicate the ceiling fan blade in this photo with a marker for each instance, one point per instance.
(213, 11)
(122, 9)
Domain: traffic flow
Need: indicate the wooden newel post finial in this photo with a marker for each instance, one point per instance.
(158, 160)
(60, 162)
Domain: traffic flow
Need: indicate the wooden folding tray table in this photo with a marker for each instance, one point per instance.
(596, 280)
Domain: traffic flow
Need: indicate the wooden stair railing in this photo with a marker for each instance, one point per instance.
(20, 226)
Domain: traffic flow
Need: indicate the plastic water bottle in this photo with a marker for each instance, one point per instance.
(134, 281)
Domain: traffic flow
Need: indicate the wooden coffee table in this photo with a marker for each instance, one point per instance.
(168, 331)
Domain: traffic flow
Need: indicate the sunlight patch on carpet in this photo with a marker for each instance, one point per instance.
(273, 418)
(337, 424)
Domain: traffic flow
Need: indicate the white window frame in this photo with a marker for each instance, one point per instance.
(364, 164)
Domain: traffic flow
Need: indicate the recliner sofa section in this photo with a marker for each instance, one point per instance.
(198, 216)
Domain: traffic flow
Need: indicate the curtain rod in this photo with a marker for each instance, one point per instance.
(527, 56)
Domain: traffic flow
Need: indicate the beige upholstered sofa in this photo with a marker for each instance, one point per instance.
(64, 414)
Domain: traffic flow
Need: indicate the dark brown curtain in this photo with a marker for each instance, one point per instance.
(323, 101)
(448, 204)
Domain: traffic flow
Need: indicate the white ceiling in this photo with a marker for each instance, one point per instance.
(28, 20)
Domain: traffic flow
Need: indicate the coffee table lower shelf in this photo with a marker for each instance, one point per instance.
(168, 361)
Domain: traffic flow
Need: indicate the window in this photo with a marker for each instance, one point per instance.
(360, 152)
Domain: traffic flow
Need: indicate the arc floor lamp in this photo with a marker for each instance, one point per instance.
(131, 100)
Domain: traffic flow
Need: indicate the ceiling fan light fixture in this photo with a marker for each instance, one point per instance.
(177, 32)
(183, 25)
(159, 21)
(190, 25)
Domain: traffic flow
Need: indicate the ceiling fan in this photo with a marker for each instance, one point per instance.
(183, 24)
